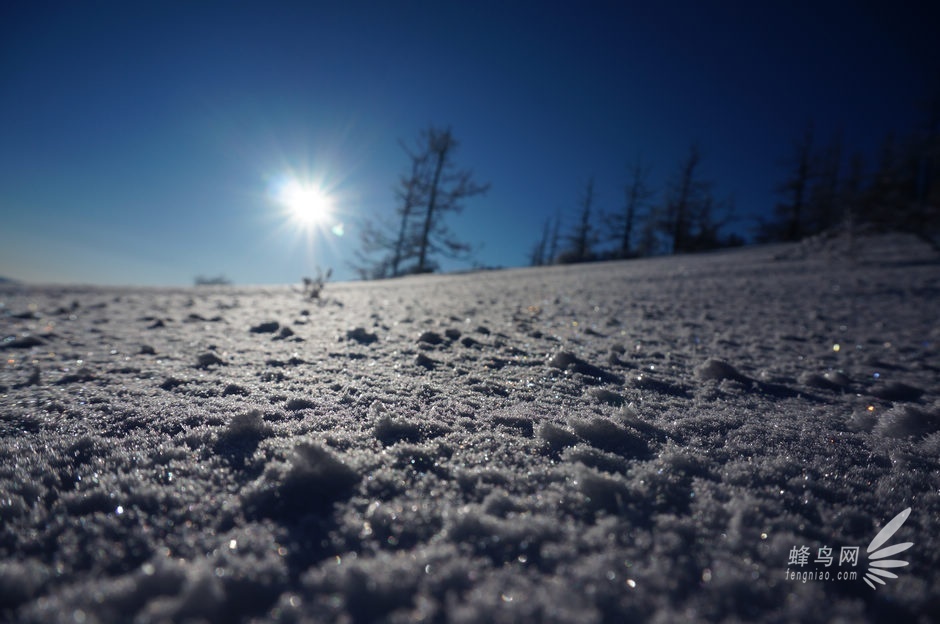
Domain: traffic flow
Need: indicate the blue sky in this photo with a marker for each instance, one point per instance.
(139, 141)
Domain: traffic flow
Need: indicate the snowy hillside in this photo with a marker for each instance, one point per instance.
(689, 438)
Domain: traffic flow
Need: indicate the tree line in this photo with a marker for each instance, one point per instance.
(824, 192)
(821, 191)
(689, 217)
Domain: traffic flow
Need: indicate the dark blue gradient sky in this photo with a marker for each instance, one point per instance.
(139, 140)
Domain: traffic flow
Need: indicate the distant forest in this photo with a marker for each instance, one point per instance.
(821, 191)
(684, 217)
(824, 188)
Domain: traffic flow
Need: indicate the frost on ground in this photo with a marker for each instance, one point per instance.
(647, 440)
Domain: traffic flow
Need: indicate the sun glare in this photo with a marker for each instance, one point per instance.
(307, 205)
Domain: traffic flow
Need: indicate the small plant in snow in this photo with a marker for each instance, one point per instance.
(313, 287)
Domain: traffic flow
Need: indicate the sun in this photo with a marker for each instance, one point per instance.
(306, 204)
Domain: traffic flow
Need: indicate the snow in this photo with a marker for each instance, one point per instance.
(638, 440)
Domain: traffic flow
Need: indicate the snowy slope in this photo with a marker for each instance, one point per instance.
(652, 440)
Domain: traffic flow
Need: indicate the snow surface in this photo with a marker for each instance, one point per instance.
(645, 440)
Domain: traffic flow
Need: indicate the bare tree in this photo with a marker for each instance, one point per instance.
(891, 185)
(687, 202)
(851, 198)
(409, 194)
(432, 188)
(393, 244)
(649, 243)
(446, 189)
(552, 253)
(373, 241)
(790, 215)
(926, 204)
(905, 191)
(581, 239)
(709, 218)
(680, 205)
(538, 255)
(823, 208)
(623, 224)
(690, 218)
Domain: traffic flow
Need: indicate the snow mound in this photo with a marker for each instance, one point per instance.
(717, 370)
(897, 391)
(309, 483)
(609, 436)
(906, 421)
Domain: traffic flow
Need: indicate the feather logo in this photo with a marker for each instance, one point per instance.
(877, 564)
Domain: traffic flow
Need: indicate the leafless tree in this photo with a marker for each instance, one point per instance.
(433, 188)
(538, 255)
(690, 217)
(823, 206)
(553, 242)
(622, 225)
(686, 197)
(446, 188)
(581, 238)
(409, 194)
(789, 221)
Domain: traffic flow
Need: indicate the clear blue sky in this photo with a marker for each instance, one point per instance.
(139, 140)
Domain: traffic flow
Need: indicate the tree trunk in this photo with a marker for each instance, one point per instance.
(409, 204)
(441, 148)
